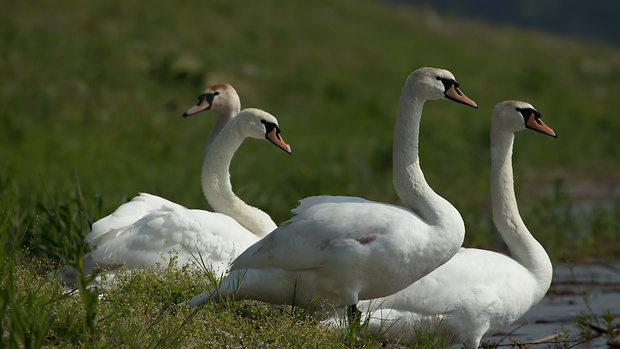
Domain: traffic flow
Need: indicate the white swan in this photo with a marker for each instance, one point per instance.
(155, 227)
(477, 292)
(343, 249)
(220, 98)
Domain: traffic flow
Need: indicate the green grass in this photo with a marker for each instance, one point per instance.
(139, 309)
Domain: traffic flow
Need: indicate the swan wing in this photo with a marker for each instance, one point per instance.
(470, 276)
(126, 215)
(476, 293)
(174, 229)
(323, 232)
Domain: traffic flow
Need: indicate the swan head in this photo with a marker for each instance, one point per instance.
(259, 124)
(434, 83)
(221, 98)
(513, 116)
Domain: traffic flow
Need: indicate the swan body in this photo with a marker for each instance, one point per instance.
(477, 292)
(147, 229)
(162, 229)
(342, 249)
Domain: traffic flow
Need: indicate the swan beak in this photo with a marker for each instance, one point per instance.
(456, 95)
(275, 138)
(537, 124)
(200, 106)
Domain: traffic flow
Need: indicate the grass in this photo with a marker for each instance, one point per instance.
(139, 309)
(98, 90)
(92, 93)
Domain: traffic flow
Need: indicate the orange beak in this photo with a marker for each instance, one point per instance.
(275, 138)
(455, 94)
(537, 124)
(200, 106)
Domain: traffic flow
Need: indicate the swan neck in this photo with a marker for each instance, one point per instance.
(222, 119)
(523, 246)
(217, 187)
(409, 180)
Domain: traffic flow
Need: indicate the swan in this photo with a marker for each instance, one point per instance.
(220, 98)
(477, 292)
(342, 249)
(152, 227)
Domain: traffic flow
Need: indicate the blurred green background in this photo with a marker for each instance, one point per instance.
(97, 90)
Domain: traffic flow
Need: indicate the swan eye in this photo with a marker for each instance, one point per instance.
(269, 126)
(447, 83)
(438, 77)
(207, 96)
(528, 112)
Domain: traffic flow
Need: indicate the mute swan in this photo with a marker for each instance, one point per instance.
(155, 227)
(220, 98)
(477, 292)
(343, 249)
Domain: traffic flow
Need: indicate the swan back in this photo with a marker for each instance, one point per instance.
(124, 217)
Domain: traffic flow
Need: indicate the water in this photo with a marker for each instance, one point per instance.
(558, 310)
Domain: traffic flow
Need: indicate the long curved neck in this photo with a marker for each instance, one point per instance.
(408, 178)
(523, 247)
(217, 188)
(222, 119)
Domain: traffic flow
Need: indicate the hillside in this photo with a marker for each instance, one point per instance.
(98, 89)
